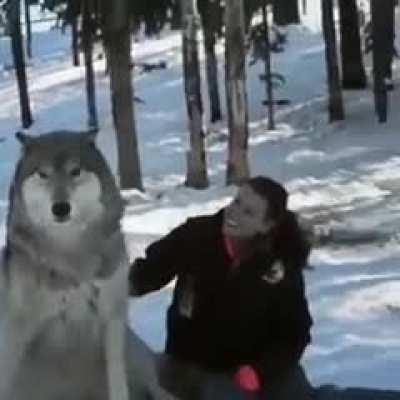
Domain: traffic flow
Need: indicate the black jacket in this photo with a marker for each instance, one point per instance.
(221, 317)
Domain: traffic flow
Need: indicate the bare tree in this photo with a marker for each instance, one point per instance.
(118, 42)
(286, 12)
(353, 72)
(267, 69)
(196, 157)
(75, 41)
(176, 15)
(211, 19)
(383, 47)
(336, 111)
(87, 45)
(236, 95)
(14, 22)
(212, 77)
(28, 28)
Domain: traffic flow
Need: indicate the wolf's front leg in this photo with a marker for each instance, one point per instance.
(115, 360)
(12, 348)
(25, 314)
(112, 303)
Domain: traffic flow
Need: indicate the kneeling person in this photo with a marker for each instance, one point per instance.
(239, 307)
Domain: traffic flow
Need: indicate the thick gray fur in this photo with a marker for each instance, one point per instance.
(63, 307)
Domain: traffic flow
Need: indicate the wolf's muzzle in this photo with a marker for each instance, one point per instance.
(61, 210)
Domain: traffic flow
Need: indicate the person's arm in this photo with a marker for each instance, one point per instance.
(289, 335)
(164, 259)
(288, 330)
(281, 351)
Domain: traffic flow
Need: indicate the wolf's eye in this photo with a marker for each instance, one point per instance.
(75, 172)
(43, 175)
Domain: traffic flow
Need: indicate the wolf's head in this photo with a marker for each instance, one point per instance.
(62, 183)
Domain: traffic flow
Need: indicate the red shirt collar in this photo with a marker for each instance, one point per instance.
(236, 252)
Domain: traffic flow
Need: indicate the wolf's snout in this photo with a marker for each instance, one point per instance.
(61, 210)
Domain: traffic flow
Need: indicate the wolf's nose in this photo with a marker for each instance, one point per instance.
(61, 210)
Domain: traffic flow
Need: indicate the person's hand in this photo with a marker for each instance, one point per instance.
(246, 378)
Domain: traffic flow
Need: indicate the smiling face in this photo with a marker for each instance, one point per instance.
(246, 216)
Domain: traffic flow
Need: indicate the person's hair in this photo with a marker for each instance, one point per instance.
(274, 194)
(286, 238)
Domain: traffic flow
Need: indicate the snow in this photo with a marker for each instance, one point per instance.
(342, 177)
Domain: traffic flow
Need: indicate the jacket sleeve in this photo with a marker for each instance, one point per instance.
(163, 260)
(288, 334)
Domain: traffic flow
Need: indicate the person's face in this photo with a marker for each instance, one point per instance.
(245, 217)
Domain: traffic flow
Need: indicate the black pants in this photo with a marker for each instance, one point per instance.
(188, 382)
(294, 386)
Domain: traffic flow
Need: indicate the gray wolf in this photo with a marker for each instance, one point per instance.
(63, 281)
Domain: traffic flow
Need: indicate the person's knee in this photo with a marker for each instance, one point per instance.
(294, 385)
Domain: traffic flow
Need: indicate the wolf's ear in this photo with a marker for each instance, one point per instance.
(24, 139)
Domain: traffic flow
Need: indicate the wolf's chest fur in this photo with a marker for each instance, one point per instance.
(64, 324)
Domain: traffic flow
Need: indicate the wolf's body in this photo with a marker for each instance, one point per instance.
(63, 281)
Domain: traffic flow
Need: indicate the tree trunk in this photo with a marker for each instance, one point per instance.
(75, 41)
(87, 44)
(196, 158)
(267, 71)
(28, 29)
(286, 12)
(118, 42)
(212, 79)
(236, 96)
(382, 36)
(212, 73)
(336, 111)
(390, 37)
(304, 3)
(353, 72)
(14, 18)
(176, 17)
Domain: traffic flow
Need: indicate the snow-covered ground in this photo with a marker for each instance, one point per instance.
(344, 176)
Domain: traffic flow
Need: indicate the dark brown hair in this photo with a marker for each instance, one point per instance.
(287, 240)
(273, 192)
